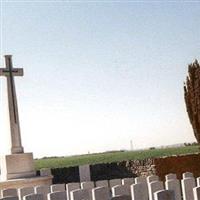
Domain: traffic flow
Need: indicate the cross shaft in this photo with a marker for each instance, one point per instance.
(9, 72)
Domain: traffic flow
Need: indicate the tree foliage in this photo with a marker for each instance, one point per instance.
(192, 97)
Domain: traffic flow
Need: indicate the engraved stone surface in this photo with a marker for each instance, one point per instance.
(121, 190)
(70, 187)
(174, 184)
(154, 187)
(128, 181)
(164, 195)
(139, 191)
(58, 188)
(57, 196)
(196, 192)
(25, 191)
(114, 182)
(33, 197)
(9, 198)
(9, 192)
(102, 183)
(84, 173)
(101, 193)
(170, 176)
(188, 175)
(79, 194)
(187, 188)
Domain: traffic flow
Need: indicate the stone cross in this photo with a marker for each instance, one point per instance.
(9, 72)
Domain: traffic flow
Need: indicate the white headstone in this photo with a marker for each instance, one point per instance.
(174, 184)
(128, 181)
(188, 175)
(58, 188)
(154, 187)
(79, 194)
(198, 181)
(84, 173)
(101, 193)
(25, 191)
(9, 192)
(70, 187)
(187, 188)
(141, 179)
(139, 191)
(121, 190)
(9, 198)
(33, 197)
(114, 182)
(164, 195)
(45, 172)
(152, 178)
(43, 189)
(87, 185)
(196, 192)
(57, 196)
(170, 177)
(121, 197)
(102, 183)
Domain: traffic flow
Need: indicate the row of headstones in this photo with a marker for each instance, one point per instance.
(140, 188)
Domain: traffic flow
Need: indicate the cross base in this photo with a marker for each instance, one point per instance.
(16, 150)
(16, 166)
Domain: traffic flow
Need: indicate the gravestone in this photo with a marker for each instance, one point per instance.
(101, 193)
(25, 191)
(79, 194)
(84, 173)
(188, 175)
(57, 196)
(9, 192)
(196, 192)
(102, 183)
(164, 195)
(152, 178)
(139, 191)
(114, 182)
(70, 187)
(88, 186)
(121, 190)
(174, 184)
(154, 187)
(43, 189)
(58, 188)
(198, 181)
(141, 179)
(121, 197)
(45, 172)
(187, 188)
(170, 177)
(33, 197)
(128, 181)
(9, 198)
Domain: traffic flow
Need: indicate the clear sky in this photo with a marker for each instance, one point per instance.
(98, 73)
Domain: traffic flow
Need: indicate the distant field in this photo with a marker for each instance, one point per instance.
(112, 157)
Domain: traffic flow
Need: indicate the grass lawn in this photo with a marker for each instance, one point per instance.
(112, 157)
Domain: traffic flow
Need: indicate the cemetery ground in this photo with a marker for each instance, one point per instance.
(109, 157)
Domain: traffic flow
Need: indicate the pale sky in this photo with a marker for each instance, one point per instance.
(98, 74)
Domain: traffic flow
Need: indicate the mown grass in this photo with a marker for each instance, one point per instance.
(112, 157)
